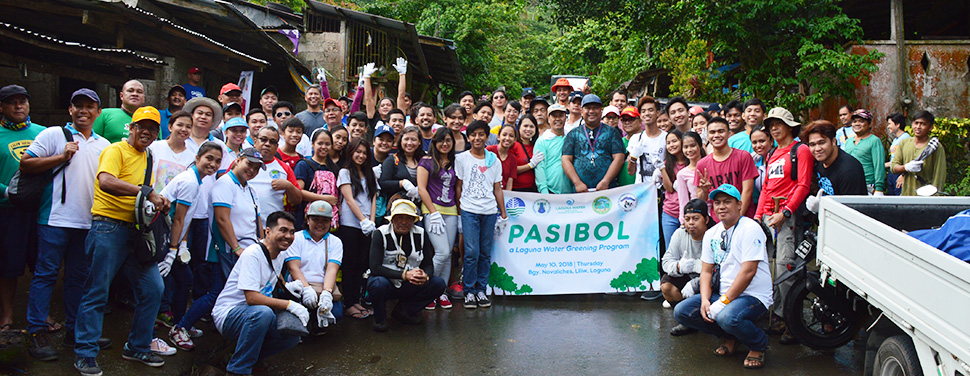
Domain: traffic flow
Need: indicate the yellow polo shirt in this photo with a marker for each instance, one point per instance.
(126, 163)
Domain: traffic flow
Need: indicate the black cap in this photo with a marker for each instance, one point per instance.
(231, 104)
(528, 92)
(532, 104)
(11, 90)
(179, 88)
(269, 89)
(253, 156)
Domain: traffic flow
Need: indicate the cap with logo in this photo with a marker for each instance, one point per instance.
(194, 70)
(528, 92)
(557, 107)
(630, 111)
(231, 105)
(727, 189)
(576, 95)
(320, 208)
(253, 156)
(235, 122)
(269, 89)
(147, 113)
(382, 129)
(230, 87)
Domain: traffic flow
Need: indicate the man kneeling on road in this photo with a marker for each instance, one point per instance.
(736, 248)
(682, 261)
(244, 311)
(401, 266)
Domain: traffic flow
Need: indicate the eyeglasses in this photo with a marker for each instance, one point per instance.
(498, 97)
(283, 113)
(269, 140)
(332, 111)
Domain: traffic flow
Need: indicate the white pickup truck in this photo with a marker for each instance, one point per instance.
(913, 298)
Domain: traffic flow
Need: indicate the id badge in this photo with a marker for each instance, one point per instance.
(402, 261)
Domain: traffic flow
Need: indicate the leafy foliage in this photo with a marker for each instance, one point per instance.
(954, 135)
(689, 73)
(645, 271)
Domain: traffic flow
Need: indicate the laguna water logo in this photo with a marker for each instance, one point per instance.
(627, 202)
(602, 205)
(515, 206)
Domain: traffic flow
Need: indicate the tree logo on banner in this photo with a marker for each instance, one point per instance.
(602, 205)
(644, 275)
(515, 206)
(499, 278)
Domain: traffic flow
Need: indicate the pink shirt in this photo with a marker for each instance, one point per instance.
(686, 190)
(734, 170)
(671, 199)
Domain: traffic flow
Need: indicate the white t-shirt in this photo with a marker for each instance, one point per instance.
(570, 126)
(478, 178)
(184, 189)
(75, 212)
(363, 201)
(270, 199)
(204, 211)
(747, 243)
(648, 151)
(166, 163)
(314, 255)
(245, 205)
(251, 273)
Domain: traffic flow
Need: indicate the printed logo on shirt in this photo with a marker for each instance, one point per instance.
(268, 289)
(478, 186)
(776, 169)
(17, 148)
(275, 174)
(825, 184)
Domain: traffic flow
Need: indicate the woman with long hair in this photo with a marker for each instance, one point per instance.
(509, 153)
(437, 184)
(339, 137)
(399, 172)
(674, 161)
(455, 116)
(527, 161)
(761, 143)
(315, 176)
(693, 147)
(358, 186)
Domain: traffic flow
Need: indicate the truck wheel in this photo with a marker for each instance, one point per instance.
(815, 323)
(897, 357)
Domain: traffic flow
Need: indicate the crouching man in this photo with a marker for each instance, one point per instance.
(312, 262)
(742, 293)
(244, 311)
(401, 267)
(682, 261)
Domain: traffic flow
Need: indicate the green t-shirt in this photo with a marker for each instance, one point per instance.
(14, 144)
(870, 153)
(112, 124)
(625, 178)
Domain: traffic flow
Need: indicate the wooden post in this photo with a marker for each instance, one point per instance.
(897, 35)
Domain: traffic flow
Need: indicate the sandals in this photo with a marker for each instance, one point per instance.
(755, 362)
(725, 351)
(6, 327)
(357, 313)
(54, 327)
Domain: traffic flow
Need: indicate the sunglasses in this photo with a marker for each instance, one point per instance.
(498, 97)
(268, 140)
(283, 113)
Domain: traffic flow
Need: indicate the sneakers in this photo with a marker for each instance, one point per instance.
(444, 302)
(181, 338)
(470, 301)
(103, 343)
(166, 319)
(651, 295)
(40, 347)
(666, 304)
(195, 333)
(161, 348)
(455, 291)
(483, 300)
(147, 358)
(681, 330)
(430, 306)
(87, 367)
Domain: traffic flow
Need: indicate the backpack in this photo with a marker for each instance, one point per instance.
(25, 190)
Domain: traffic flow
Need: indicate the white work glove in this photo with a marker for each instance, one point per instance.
(412, 191)
(812, 202)
(401, 66)
(500, 224)
(369, 70)
(716, 308)
(165, 266)
(914, 166)
(459, 226)
(367, 226)
(309, 297)
(635, 150)
(756, 157)
(536, 159)
(698, 265)
(325, 315)
(300, 311)
(360, 80)
(184, 255)
(659, 163)
(688, 290)
(658, 177)
(295, 288)
(321, 75)
(685, 266)
(436, 224)
(877, 193)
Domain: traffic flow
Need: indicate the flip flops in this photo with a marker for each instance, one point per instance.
(759, 359)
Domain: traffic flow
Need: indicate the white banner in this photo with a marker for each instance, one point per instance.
(246, 84)
(582, 243)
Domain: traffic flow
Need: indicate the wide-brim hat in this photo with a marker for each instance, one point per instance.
(207, 102)
(403, 207)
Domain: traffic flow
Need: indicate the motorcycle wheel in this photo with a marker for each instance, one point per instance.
(816, 324)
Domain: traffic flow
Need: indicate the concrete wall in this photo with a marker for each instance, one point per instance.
(327, 50)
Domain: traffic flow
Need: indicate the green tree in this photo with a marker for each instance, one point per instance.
(498, 277)
(525, 289)
(646, 271)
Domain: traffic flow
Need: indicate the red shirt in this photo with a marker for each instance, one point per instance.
(287, 160)
(778, 181)
(734, 170)
(525, 180)
(509, 164)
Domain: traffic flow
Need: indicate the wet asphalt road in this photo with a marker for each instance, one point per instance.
(532, 335)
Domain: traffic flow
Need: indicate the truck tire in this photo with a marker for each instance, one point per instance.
(804, 324)
(897, 357)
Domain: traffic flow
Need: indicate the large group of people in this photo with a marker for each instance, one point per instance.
(328, 213)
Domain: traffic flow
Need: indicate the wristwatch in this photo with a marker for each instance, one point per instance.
(724, 300)
(786, 213)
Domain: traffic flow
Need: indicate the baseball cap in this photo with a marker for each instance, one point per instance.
(320, 208)
(786, 116)
(253, 156)
(862, 114)
(235, 122)
(630, 111)
(179, 88)
(403, 207)
(714, 107)
(229, 87)
(147, 113)
(194, 70)
(269, 89)
(231, 105)
(334, 101)
(561, 82)
(528, 92)
(532, 105)
(575, 95)
(557, 107)
(592, 99)
(694, 110)
(611, 110)
(11, 90)
(727, 189)
(382, 129)
(86, 93)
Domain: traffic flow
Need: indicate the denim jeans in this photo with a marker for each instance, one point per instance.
(479, 232)
(735, 321)
(107, 250)
(177, 285)
(669, 224)
(414, 297)
(254, 330)
(218, 273)
(443, 244)
(57, 244)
